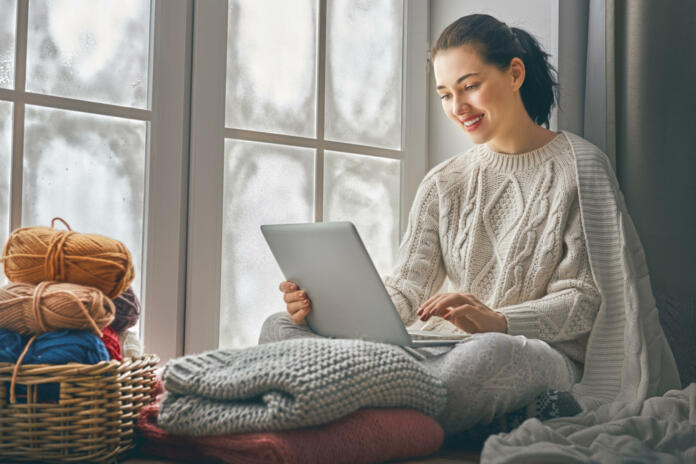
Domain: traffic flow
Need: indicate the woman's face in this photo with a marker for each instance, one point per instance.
(476, 95)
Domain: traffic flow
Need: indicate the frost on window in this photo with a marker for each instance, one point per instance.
(271, 66)
(363, 72)
(94, 50)
(8, 14)
(88, 170)
(5, 156)
(365, 191)
(263, 184)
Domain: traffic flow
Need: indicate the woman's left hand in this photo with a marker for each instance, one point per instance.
(465, 311)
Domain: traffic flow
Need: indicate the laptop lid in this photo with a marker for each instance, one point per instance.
(329, 261)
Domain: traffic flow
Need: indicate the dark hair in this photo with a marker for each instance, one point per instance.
(498, 44)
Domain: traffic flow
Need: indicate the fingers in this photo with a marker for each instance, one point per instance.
(431, 303)
(300, 316)
(294, 308)
(438, 305)
(286, 286)
(291, 297)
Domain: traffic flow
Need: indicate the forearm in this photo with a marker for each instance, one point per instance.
(560, 316)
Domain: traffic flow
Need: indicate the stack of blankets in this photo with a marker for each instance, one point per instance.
(306, 400)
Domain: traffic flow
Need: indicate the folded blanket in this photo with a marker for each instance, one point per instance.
(291, 384)
(365, 436)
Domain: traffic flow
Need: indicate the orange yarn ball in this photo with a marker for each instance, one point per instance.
(36, 254)
(35, 309)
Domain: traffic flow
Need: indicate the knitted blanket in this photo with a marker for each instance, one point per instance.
(291, 384)
(628, 362)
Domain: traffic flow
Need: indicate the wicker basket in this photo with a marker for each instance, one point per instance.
(93, 419)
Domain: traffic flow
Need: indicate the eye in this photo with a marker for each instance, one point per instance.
(471, 87)
(445, 97)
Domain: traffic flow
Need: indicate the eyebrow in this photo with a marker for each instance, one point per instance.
(463, 78)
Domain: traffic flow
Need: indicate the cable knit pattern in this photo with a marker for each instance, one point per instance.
(507, 229)
(291, 384)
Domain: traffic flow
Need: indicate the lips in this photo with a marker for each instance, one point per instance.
(473, 122)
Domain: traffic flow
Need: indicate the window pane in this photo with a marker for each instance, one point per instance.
(363, 72)
(271, 63)
(93, 50)
(5, 156)
(365, 191)
(7, 42)
(263, 184)
(89, 170)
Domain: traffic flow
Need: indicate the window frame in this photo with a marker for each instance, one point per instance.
(208, 134)
(166, 172)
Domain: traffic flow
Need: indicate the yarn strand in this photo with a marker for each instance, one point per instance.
(15, 371)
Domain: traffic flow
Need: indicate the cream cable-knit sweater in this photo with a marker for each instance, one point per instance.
(505, 228)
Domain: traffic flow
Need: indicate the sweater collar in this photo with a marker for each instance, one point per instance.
(520, 161)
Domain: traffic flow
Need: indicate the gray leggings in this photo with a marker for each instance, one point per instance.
(486, 375)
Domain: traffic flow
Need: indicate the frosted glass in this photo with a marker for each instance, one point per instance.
(89, 170)
(263, 184)
(363, 72)
(93, 50)
(271, 66)
(5, 157)
(365, 191)
(8, 15)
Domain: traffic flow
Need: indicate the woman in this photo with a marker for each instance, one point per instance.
(502, 222)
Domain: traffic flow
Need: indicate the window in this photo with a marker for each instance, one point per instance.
(82, 122)
(78, 94)
(179, 137)
(314, 128)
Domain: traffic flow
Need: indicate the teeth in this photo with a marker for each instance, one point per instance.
(472, 122)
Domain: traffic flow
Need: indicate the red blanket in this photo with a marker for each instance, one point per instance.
(366, 436)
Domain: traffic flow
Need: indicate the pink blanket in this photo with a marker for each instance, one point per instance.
(366, 436)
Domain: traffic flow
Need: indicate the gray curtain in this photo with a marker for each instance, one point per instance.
(627, 72)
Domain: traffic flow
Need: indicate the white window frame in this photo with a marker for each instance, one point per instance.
(166, 175)
(208, 134)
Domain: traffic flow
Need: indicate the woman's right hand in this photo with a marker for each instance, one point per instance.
(296, 301)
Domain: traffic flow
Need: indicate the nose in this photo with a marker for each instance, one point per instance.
(460, 105)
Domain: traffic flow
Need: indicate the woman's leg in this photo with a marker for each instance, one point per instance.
(279, 326)
(490, 374)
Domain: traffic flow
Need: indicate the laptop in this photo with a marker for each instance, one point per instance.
(329, 261)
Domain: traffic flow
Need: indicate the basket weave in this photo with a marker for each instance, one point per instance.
(93, 420)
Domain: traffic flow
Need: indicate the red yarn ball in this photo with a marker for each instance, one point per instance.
(112, 343)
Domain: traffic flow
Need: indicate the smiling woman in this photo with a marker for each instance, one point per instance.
(502, 222)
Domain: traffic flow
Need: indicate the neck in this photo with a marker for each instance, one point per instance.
(523, 136)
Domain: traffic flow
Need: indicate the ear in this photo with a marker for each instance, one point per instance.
(517, 73)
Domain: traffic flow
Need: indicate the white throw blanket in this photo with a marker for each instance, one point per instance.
(628, 360)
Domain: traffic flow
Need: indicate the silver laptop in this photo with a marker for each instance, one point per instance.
(329, 261)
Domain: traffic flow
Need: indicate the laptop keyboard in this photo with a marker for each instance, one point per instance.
(431, 335)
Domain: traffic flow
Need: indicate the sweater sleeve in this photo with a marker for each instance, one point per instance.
(419, 271)
(568, 309)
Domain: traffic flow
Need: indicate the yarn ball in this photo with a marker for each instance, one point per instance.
(127, 311)
(11, 344)
(113, 345)
(33, 309)
(35, 254)
(130, 344)
(58, 347)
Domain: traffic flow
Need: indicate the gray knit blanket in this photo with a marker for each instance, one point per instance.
(291, 384)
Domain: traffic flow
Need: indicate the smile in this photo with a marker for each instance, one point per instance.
(472, 123)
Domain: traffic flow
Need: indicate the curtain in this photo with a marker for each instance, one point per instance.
(626, 73)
